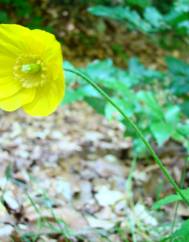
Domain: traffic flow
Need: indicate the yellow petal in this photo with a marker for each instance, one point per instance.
(13, 39)
(8, 87)
(16, 101)
(6, 66)
(44, 42)
(16, 39)
(53, 60)
(47, 99)
(53, 51)
(43, 35)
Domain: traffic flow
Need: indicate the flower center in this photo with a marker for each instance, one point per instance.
(30, 71)
(31, 68)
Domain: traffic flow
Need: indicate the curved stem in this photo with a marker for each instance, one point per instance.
(137, 130)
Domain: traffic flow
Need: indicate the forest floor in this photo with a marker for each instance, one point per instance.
(71, 175)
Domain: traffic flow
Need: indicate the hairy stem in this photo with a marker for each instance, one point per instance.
(137, 130)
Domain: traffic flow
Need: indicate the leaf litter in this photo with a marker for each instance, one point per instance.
(61, 178)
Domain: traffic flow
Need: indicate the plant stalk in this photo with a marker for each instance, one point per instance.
(137, 130)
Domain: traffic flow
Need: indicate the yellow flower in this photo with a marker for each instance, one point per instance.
(31, 74)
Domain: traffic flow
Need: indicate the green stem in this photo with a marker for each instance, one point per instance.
(183, 176)
(137, 130)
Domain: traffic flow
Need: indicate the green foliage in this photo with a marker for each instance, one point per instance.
(20, 11)
(123, 14)
(146, 96)
(179, 85)
(170, 199)
(141, 93)
(149, 17)
(3, 17)
(179, 71)
(139, 3)
(180, 235)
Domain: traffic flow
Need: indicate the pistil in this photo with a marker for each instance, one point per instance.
(31, 68)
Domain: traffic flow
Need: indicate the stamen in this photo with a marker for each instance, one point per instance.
(31, 68)
(30, 71)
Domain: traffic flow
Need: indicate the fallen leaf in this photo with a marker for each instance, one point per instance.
(107, 197)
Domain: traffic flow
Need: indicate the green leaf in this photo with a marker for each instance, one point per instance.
(139, 3)
(97, 103)
(142, 74)
(139, 148)
(185, 107)
(177, 66)
(183, 128)
(73, 96)
(106, 74)
(172, 114)
(123, 14)
(170, 199)
(181, 234)
(161, 132)
(154, 17)
(96, 69)
(184, 26)
(151, 105)
(126, 106)
(179, 73)
(70, 77)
